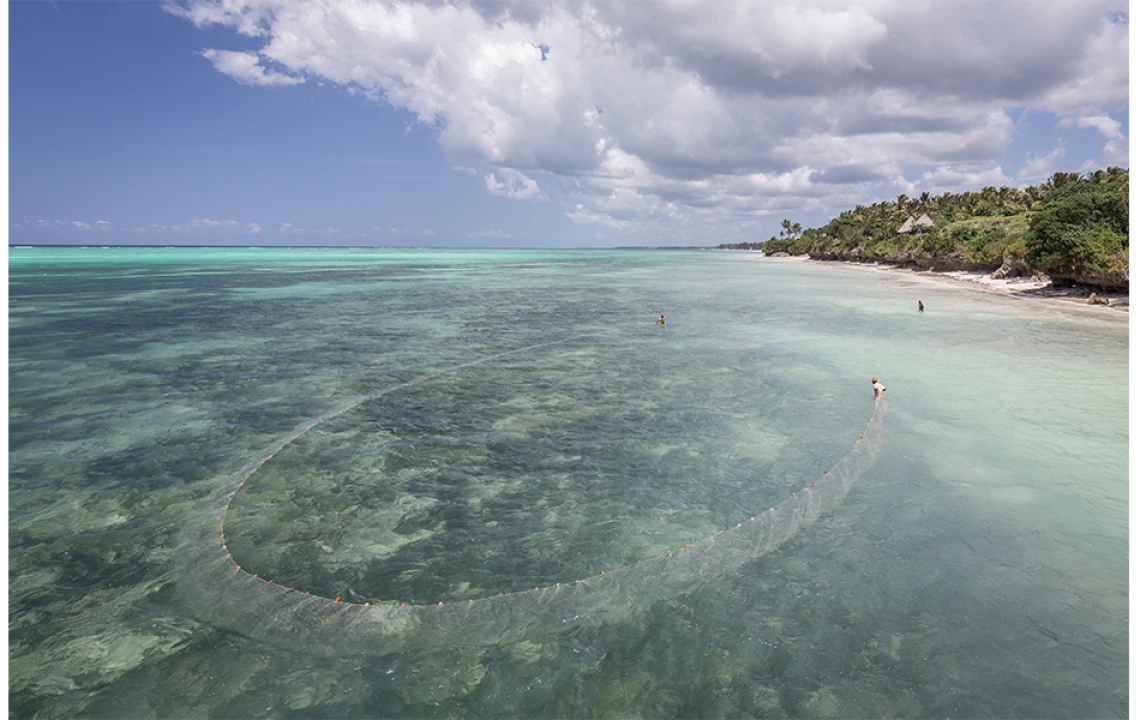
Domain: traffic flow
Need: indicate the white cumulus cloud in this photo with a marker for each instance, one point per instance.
(1115, 150)
(1041, 167)
(681, 116)
(513, 184)
(206, 225)
(246, 68)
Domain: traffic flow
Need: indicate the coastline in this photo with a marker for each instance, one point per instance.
(1073, 298)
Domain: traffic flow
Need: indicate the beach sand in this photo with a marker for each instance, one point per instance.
(1069, 298)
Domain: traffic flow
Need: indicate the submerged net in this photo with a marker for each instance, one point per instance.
(224, 594)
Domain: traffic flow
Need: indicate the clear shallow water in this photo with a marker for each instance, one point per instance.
(978, 569)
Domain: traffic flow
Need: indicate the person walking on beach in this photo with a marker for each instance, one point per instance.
(661, 320)
(879, 388)
(920, 307)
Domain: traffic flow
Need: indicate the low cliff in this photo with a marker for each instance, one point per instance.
(1006, 268)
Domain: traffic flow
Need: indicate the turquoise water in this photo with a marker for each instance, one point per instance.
(978, 569)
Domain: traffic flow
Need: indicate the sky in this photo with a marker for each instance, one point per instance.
(527, 123)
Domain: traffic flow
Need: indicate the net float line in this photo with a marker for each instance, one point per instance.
(710, 538)
(216, 577)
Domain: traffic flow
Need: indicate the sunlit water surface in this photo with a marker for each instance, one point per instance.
(979, 569)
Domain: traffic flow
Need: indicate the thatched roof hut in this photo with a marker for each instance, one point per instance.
(912, 225)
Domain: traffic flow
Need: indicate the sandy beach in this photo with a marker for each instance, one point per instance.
(1043, 292)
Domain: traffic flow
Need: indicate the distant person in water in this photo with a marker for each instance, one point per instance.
(921, 307)
(661, 320)
(879, 388)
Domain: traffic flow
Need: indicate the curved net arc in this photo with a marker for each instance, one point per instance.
(225, 594)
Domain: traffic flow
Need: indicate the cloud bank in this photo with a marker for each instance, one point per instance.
(706, 117)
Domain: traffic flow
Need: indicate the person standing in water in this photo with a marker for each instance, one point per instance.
(879, 388)
(661, 320)
(920, 307)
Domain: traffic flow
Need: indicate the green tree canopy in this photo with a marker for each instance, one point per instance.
(1069, 223)
(1080, 224)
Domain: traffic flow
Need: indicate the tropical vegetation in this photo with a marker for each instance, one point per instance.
(1071, 225)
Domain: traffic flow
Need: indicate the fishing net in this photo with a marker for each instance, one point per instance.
(221, 592)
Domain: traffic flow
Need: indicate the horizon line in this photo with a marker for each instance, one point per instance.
(359, 247)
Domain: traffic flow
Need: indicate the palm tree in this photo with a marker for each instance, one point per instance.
(1002, 199)
(1115, 173)
(1061, 179)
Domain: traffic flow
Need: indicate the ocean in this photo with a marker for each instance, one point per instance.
(447, 426)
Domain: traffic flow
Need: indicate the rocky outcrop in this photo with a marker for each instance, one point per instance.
(855, 255)
(1012, 268)
(1116, 282)
(1008, 269)
(950, 263)
(938, 263)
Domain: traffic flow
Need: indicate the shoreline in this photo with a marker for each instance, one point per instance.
(1073, 298)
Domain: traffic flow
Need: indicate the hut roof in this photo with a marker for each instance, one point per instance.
(924, 220)
(907, 226)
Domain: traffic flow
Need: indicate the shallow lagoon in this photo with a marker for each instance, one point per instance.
(980, 568)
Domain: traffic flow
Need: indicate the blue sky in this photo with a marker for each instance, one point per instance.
(257, 122)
